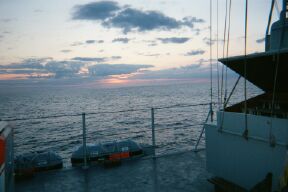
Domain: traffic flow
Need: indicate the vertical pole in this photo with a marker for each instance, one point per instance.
(84, 141)
(153, 131)
(202, 131)
(211, 112)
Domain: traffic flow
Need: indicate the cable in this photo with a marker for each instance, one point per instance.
(104, 112)
(227, 50)
(233, 89)
(182, 105)
(211, 68)
(217, 38)
(223, 53)
(186, 126)
(272, 138)
(277, 8)
(245, 134)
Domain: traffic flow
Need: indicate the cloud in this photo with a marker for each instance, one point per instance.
(121, 40)
(77, 43)
(116, 57)
(152, 44)
(66, 51)
(262, 40)
(128, 19)
(38, 67)
(6, 32)
(178, 40)
(195, 52)
(63, 69)
(209, 42)
(95, 59)
(38, 11)
(90, 41)
(94, 41)
(133, 19)
(49, 68)
(196, 70)
(193, 20)
(95, 10)
(149, 54)
(103, 70)
(90, 59)
(31, 63)
(6, 20)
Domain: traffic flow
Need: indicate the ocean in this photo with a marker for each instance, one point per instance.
(111, 114)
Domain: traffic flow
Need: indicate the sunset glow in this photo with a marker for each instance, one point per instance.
(69, 39)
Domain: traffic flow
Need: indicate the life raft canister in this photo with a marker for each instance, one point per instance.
(2, 150)
(117, 156)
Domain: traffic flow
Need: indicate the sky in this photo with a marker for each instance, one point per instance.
(121, 41)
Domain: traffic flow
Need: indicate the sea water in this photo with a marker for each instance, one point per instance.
(117, 113)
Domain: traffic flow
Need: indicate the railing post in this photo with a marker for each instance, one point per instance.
(84, 141)
(211, 112)
(202, 131)
(153, 132)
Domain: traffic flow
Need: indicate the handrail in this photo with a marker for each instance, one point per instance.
(104, 112)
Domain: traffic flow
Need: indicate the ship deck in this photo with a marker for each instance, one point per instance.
(185, 171)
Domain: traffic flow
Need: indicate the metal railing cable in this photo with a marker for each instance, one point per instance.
(182, 127)
(103, 112)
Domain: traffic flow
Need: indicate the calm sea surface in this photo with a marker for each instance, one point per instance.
(176, 128)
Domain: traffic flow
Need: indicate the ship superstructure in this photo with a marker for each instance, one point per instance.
(248, 144)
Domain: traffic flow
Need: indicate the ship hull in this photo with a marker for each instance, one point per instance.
(246, 161)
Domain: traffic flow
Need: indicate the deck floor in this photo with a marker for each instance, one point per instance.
(178, 172)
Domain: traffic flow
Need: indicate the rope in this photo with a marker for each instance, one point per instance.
(245, 134)
(272, 138)
(227, 50)
(231, 93)
(277, 8)
(222, 74)
(217, 38)
(211, 84)
(270, 17)
(227, 54)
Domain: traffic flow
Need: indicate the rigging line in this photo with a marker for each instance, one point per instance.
(245, 134)
(269, 18)
(226, 103)
(222, 74)
(277, 7)
(272, 139)
(217, 38)
(211, 89)
(231, 93)
(227, 54)
(227, 50)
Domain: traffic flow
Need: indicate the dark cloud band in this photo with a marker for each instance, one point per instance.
(128, 19)
(178, 40)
